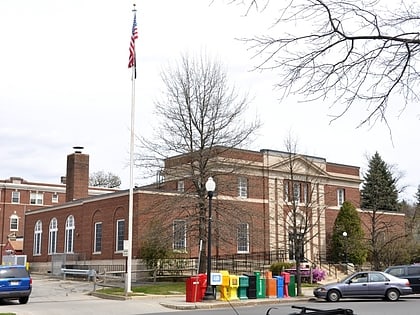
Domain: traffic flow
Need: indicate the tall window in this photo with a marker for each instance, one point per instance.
(69, 242)
(36, 198)
(181, 186)
(52, 236)
(37, 238)
(300, 190)
(14, 222)
(243, 238)
(120, 235)
(97, 242)
(340, 197)
(15, 196)
(296, 242)
(54, 198)
(180, 235)
(242, 187)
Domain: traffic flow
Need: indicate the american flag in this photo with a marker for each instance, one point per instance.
(134, 36)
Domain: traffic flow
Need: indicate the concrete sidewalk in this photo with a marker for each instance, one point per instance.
(178, 302)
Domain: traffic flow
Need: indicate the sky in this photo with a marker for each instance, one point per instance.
(64, 82)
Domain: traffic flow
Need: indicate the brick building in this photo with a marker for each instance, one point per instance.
(252, 205)
(17, 196)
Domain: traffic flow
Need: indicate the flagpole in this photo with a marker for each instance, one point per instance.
(130, 199)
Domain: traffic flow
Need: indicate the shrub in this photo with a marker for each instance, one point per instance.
(318, 275)
(278, 267)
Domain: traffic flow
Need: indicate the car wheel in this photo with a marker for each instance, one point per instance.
(333, 296)
(392, 295)
(24, 300)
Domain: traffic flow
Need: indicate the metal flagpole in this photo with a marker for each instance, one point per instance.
(132, 64)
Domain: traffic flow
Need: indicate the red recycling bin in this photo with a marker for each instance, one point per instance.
(196, 288)
(193, 290)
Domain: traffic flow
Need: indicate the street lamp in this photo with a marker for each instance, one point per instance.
(209, 295)
(345, 250)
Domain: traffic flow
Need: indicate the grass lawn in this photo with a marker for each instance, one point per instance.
(160, 288)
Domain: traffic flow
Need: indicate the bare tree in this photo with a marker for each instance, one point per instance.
(102, 179)
(197, 116)
(303, 207)
(348, 51)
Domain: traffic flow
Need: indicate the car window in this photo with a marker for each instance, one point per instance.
(397, 271)
(377, 277)
(13, 273)
(414, 270)
(360, 278)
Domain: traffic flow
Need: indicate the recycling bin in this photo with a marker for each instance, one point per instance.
(251, 290)
(292, 286)
(280, 286)
(193, 290)
(243, 286)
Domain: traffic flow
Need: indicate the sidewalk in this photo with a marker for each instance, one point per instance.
(177, 302)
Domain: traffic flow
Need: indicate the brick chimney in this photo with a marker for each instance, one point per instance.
(77, 177)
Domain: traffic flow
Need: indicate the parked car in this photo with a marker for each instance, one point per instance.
(410, 272)
(365, 284)
(15, 283)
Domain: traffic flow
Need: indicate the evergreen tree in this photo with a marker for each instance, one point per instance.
(379, 191)
(349, 246)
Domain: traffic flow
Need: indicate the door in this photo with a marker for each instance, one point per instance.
(357, 285)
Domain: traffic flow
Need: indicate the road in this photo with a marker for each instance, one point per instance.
(55, 296)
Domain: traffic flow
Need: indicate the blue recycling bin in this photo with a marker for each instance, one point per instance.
(280, 286)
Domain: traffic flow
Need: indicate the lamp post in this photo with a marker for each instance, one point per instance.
(345, 250)
(209, 295)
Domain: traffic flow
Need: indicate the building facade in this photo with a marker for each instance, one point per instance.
(262, 199)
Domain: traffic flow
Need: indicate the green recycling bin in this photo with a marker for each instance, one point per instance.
(292, 286)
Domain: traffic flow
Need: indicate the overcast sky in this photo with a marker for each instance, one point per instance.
(64, 82)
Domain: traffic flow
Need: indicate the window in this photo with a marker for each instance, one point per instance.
(296, 192)
(97, 242)
(243, 238)
(36, 198)
(340, 197)
(242, 187)
(15, 196)
(181, 186)
(301, 192)
(120, 235)
(296, 243)
(54, 198)
(180, 235)
(52, 236)
(14, 222)
(69, 241)
(286, 192)
(37, 238)
(377, 277)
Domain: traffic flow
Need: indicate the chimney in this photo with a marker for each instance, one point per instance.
(77, 177)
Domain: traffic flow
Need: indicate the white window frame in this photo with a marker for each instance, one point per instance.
(54, 198)
(36, 198)
(37, 238)
(15, 196)
(97, 240)
(119, 235)
(242, 187)
(14, 222)
(296, 192)
(341, 195)
(242, 238)
(52, 236)
(69, 240)
(179, 229)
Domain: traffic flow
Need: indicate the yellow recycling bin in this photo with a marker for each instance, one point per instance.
(224, 287)
(233, 287)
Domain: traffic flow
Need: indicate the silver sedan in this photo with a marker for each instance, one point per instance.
(365, 284)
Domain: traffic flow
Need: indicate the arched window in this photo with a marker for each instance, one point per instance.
(69, 242)
(37, 238)
(52, 236)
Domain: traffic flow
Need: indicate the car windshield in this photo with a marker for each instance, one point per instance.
(13, 273)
